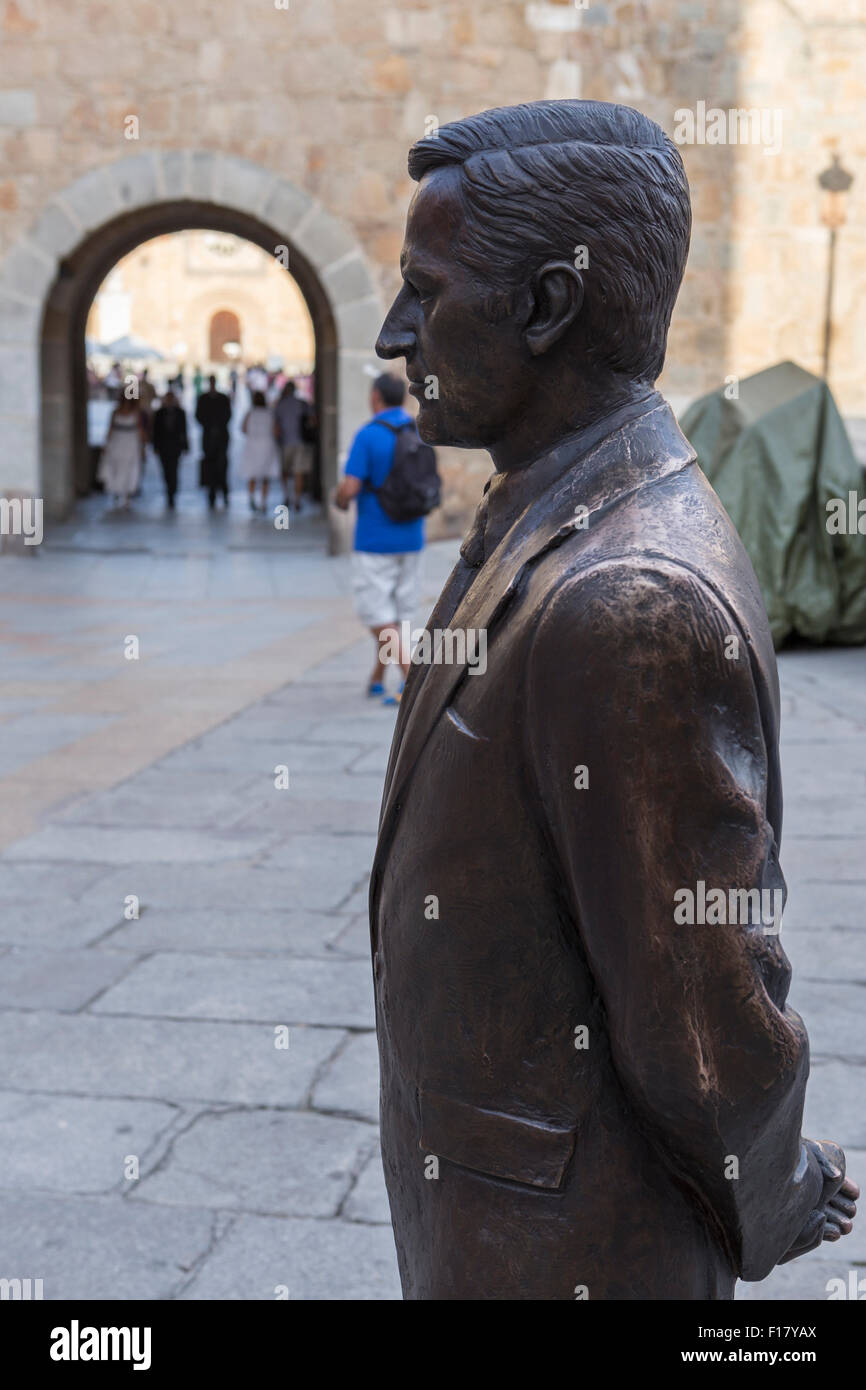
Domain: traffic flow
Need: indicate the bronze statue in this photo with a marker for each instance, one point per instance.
(591, 1084)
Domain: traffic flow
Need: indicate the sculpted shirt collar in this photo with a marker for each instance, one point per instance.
(507, 495)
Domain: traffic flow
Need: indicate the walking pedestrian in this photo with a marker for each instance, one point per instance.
(260, 461)
(214, 412)
(170, 440)
(120, 465)
(146, 397)
(295, 424)
(386, 564)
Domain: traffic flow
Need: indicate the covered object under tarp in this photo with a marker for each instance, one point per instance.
(776, 456)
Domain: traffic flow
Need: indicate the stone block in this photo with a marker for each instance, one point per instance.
(27, 271)
(201, 175)
(214, 931)
(57, 232)
(135, 180)
(286, 205)
(350, 1082)
(805, 1280)
(341, 859)
(833, 1014)
(110, 846)
(17, 107)
(240, 184)
(368, 1200)
(826, 953)
(93, 198)
(24, 883)
(63, 979)
(322, 239)
(315, 1260)
(19, 319)
(338, 993)
(102, 1247)
(358, 324)
(218, 1063)
(264, 1161)
(836, 1104)
(175, 173)
(74, 1144)
(348, 279)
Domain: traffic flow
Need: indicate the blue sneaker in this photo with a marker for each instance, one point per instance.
(394, 699)
(375, 688)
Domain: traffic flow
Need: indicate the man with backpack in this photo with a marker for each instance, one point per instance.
(392, 474)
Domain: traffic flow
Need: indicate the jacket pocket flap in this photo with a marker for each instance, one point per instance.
(503, 1146)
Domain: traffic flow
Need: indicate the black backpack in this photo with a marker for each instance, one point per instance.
(412, 488)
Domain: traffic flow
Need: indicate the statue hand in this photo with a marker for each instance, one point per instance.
(834, 1216)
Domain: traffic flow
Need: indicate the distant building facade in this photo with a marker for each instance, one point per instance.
(208, 299)
(289, 126)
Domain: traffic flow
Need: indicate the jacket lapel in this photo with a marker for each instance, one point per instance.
(640, 452)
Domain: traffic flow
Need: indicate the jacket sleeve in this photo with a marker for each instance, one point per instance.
(633, 674)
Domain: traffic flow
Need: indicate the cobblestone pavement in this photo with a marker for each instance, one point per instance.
(157, 1139)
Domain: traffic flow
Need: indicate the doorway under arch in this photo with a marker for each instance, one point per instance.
(225, 327)
(213, 192)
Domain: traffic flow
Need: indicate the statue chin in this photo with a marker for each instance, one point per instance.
(434, 430)
(431, 429)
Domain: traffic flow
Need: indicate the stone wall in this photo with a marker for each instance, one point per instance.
(328, 94)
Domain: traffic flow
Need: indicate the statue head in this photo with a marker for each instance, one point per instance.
(544, 249)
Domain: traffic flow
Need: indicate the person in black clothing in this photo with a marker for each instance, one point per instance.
(170, 440)
(213, 413)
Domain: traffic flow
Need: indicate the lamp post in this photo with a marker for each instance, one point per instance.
(835, 183)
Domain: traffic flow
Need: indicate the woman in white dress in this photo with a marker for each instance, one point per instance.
(120, 465)
(260, 461)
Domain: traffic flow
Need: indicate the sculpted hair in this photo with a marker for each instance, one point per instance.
(542, 180)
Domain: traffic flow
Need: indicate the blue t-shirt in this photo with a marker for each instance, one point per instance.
(370, 460)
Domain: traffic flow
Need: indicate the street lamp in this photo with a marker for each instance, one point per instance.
(835, 182)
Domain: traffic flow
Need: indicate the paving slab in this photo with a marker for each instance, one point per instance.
(55, 882)
(89, 1055)
(349, 1084)
(240, 888)
(145, 846)
(73, 1144)
(817, 906)
(807, 1280)
(354, 939)
(160, 799)
(827, 953)
(314, 1260)
(64, 980)
(273, 1164)
(337, 993)
(368, 1199)
(59, 922)
(212, 930)
(102, 1247)
(834, 1015)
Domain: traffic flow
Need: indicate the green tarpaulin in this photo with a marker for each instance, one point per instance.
(777, 455)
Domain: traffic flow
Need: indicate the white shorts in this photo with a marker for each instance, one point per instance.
(385, 587)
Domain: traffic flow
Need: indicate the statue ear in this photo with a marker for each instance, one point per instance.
(558, 299)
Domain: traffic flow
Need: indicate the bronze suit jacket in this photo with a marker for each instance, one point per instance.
(612, 1100)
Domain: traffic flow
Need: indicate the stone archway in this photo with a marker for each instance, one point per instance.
(48, 281)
